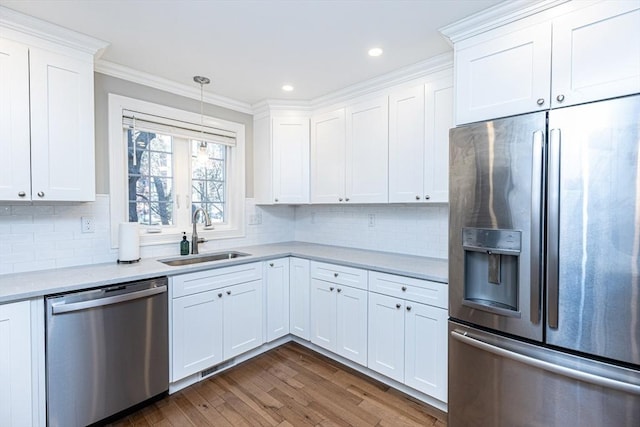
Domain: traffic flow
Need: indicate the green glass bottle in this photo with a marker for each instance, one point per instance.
(184, 245)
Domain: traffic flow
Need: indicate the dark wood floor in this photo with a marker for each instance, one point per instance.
(288, 386)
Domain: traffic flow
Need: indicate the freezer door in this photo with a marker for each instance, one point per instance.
(500, 382)
(495, 216)
(593, 283)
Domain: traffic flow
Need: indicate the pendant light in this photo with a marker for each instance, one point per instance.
(202, 149)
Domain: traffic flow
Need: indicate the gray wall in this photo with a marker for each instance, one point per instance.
(104, 85)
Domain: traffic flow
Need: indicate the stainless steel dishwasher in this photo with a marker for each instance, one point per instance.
(106, 350)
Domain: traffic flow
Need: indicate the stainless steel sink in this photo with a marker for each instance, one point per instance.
(197, 259)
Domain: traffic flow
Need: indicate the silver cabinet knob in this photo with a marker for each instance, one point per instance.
(339, 290)
(340, 199)
(270, 264)
(404, 288)
(417, 197)
(560, 98)
(40, 193)
(220, 295)
(408, 308)
(427, 197)
(398, 305)
(335, 274)
(331, 288)
(228, 292)
(540, 101)
(346, 200)
(22, 194)
(275, 200)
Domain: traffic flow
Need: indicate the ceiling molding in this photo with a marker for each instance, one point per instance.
(496, 16)
(189, 91)
(48, 32)
(402, 75)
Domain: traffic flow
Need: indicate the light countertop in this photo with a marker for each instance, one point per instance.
(20, 286)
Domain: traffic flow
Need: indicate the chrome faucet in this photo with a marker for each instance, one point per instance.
(194, 237)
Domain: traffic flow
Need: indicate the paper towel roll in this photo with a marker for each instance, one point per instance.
(129, 242)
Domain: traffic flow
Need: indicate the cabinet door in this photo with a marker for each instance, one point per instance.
(277, 288)
(15, 164)
(62, 135)
(15, 364)
(328, 157)
(242, 318)
(426, 349)
(351, 325)
(299, 290)
(439, 119)
(406, 145)
(290, 139)
(596, 53)
(386, 336)
(505, 75)
(323, 314)
(367, 152)
(196, 333)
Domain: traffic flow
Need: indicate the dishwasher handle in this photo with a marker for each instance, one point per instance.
(59, 308)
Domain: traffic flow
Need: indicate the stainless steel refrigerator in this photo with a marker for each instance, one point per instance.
(544, 268)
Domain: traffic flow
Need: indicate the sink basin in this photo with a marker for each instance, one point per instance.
(197, 259)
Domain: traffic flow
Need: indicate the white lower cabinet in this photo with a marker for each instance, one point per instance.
(21, 364)
(338, 311)
(223, 319)
(299, 297)
(408, 339)
(277, 283)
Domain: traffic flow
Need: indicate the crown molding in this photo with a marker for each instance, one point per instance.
(189, 91)
(415, 71)
(11, 20)
(496, 16)
(294, 107)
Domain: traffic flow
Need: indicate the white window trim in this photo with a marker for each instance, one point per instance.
(118, 172)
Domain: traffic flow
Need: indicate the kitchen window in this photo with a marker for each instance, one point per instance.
(166, 163)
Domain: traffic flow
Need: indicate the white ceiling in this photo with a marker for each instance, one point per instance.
(250, 48)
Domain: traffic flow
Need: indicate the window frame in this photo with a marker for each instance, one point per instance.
(118, 174)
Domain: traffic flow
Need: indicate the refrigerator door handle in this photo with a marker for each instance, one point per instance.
(553, 227)
(547, 366)
(536, 221)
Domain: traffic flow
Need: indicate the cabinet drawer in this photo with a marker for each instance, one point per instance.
(193, 283)
(339, 274)
(423, 291)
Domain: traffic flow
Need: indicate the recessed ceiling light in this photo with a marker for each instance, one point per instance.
(287, 88)
(376, 51)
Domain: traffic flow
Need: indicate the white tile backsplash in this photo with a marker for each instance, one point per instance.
(37, 237)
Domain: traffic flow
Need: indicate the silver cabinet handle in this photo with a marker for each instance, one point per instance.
(22, 194)
(228, 292)
(417, 197)
(60, 308)
(408, 308)
(339, 289)
(550, 367)
(536, 224)
(404, 288)
(427, 197)
(340, 199)
(331, 288)
(270, 264)
(220, 295)
(553, 226)
(560, 98)
(335, 274)
(398, 305)
(540, 101)
(346, 200)
(276, 200)
(40, 193)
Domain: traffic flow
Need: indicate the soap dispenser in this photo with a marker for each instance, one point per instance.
(184, 244)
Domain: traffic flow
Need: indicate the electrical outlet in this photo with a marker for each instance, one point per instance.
(372, 220)
(87, 224)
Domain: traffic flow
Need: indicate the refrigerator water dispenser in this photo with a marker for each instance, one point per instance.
(491, 270)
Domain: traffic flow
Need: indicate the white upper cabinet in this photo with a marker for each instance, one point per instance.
(587, 54)
(367, 151)
(47, 124)
(596, 53)
(419, 122)
(328, 157)
(281, 159)
(505, 75)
